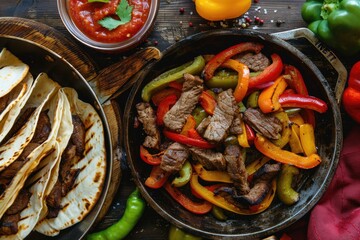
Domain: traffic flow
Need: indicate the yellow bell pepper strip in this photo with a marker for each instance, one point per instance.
(286, 129)
(211, 176)
(217, 10)
(223, 203)
(270, 73)
(201, 207)
(187, 140)
(189, 124)
(175, 74)
(243, 138)
(284, 189)
(151, 159)
(243, 78)
(184, 175)
(208, 102)
(272, 151)
(178, 234)
(224, 55)
(157, 177)
(306, 102)
(256, 165)
(307, 139)
(269, 97)
(294, 141)
(296, 120)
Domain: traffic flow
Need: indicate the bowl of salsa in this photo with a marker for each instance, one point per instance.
(109, 25)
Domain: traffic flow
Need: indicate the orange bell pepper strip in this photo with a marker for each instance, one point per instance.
(190, 124)
(243, 78)
(202, 207)
(207, 102)
(212, 176)
(220, 201)
(307, 139)
(269, 98)
(157, 177)
(226, 54)
(256, 165)
(274, 152)
(151, 159)
(270, 73)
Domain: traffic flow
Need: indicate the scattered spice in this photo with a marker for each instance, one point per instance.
(278, 23)
(156, 42)
(191, 24)
(182, 10)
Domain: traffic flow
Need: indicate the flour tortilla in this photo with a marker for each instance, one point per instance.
(12, 71)
(89, 183)
(39, 181)
(42, 91)
(11, 112)
(54, 105)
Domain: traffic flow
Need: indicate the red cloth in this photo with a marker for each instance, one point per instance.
(337, 214)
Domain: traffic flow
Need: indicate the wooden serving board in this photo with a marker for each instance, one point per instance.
(106, 82)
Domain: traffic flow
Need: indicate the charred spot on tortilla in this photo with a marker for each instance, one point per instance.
(97, 177)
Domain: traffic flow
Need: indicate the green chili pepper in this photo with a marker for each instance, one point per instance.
(178, 234)
(284, 190)
(135, 207)
(252, 100)
(185, 175)
(161, 81)
(199, 114)
(218, 213)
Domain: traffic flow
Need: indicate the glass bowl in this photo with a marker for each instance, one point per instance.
(121, 46)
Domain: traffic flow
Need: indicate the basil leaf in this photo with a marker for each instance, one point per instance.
(123, 11)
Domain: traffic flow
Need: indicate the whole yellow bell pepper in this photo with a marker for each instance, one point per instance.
(216, 10)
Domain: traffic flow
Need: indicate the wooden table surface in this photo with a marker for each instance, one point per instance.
(171, 25)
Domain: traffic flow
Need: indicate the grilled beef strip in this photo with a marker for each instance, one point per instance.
(73, 152)
(256, 62)
(9, 222)
(174, 157)
(146, 115)
(208, 158)
(203, 125)
(8, 98)
(176, 117)
(43, 128)
(236, 168)
(266, 124)
(235, 127)
(259, 190)
(222, 118)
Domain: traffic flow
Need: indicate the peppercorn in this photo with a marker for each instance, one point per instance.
(261, 22)
(278, 23)
(182, 10)
(191, 24)
(257, 19)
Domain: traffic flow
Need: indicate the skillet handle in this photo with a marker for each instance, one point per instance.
(327, 53)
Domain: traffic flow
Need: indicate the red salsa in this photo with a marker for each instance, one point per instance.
(86, 16)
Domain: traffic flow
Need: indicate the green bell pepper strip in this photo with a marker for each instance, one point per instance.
(199, 114)
(135, 207)
(335, 22)
(284, 190)
(162, 81)
(218, 213)
(185, 175)
(252, 100)
(178, 234)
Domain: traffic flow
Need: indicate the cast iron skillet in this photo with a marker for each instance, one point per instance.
(41, 59)
(313, 182)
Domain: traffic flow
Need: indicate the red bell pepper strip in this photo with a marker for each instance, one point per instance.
(192, 133)
(271, 73)
(201, 207)
(243, 78)
(187, 140)
(157, 177)
(158, 97)
(351, 96)
(151, 159)
(164, 107)
(207, 102)
(274, 152)
(176, 85)
(224, 55)
(301, 101)
(295, 80)
(250, 134)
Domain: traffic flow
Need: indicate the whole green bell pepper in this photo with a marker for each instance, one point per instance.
(335, 22)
